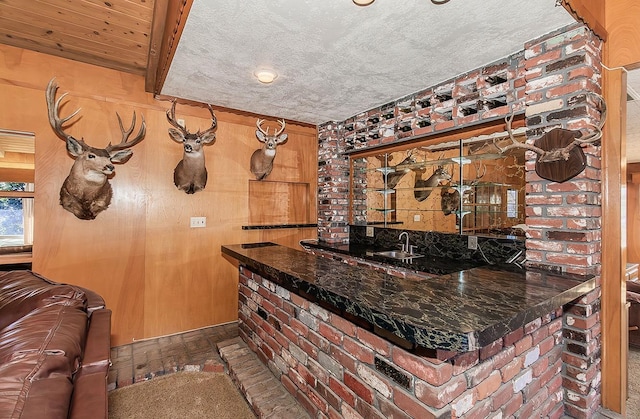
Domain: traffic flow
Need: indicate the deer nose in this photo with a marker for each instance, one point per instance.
(110, 167)
(188, 148)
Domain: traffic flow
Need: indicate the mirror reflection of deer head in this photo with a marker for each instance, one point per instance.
(190, 174)
(422, 188)
(559, 152)
(450, 197)
(401, 169)
(262, 158)
(86, 191)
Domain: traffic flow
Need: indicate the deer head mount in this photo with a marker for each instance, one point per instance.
(401, 169)
(86, 191)
(450, 197)
(262, 158)
(422, 188)
(560, 156)
(190, 174)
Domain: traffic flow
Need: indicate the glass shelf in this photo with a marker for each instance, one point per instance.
(483, 182)
(385, 211)
(381, 191)
(386, 170)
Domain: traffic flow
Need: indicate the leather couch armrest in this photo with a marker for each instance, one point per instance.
(97, 352)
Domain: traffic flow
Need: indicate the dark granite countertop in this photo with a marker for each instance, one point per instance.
(433, 265)
(459, 311)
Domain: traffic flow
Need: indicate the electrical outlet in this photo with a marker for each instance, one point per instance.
(472, 242)
(370, 232)
(416, 217)
(198, 222)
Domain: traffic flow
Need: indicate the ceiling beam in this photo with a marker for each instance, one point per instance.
(169, 19)
(589, 12)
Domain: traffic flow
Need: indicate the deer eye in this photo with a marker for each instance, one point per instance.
(198, 141)
(91, 156)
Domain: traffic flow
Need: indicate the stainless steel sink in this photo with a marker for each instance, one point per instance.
(398, 254)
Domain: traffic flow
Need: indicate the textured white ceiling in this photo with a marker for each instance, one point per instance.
(633, 117)
(335, 59)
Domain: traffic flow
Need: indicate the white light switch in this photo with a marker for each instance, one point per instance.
(198, 222)
(369, 231)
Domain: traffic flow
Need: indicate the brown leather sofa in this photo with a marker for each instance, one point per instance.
(54, 349)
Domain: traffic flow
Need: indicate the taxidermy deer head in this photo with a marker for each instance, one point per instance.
(86, 191)
(450, 200)
(393, 178)
(190, 175)
(423, 188)
(262, 158)
(560, 156)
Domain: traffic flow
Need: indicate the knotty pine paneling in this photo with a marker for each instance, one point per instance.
(157, 275)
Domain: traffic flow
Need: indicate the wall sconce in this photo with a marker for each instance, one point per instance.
(265, 76)
(363, 2)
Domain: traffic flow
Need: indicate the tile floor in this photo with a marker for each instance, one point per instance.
(192, 351)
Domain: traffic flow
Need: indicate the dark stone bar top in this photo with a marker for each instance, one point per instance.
(432, 265)
(459, 311)
(276, 226)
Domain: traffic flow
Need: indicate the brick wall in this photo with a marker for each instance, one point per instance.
(336, 368)
(564, 219)
(551, 79)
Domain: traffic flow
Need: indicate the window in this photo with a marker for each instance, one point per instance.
(17, 170)
(16, 214)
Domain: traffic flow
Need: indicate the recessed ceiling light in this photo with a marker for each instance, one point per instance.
(266, 76)
(363, 2)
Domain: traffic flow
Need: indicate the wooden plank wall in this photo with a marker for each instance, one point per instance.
(157, 275)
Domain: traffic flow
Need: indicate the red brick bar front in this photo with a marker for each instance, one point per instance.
(336, 368)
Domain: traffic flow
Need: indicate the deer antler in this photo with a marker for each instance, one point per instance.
(259, 123)
(515, 143)
(171, 117)
(127, 133)
(282, 124)
(480, 168)
(597, 133)
(52, 106)
(214, 123)
(562, 153)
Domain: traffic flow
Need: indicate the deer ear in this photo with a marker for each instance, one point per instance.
(281, 139)
(176, 135)
(74, 147)
(121, 156)
(208, 138)
(260, 136)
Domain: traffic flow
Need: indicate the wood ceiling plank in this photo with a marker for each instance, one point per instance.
(45, 15)
(118, 10)
(47, 47)
(135, 57)
(71, 41)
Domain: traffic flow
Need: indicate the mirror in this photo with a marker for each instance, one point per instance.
(462, 187)
(17, 171)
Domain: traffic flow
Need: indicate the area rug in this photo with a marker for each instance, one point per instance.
(633, 402)
(180, 395)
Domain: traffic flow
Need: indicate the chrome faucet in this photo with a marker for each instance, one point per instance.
(405, 247)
